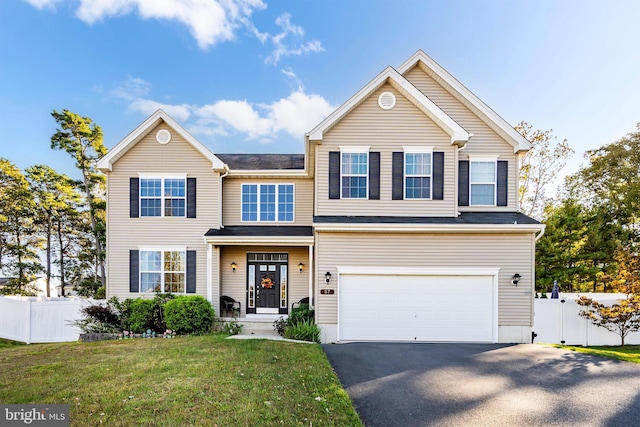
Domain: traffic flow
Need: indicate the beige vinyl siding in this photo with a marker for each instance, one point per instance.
(385, 131)
(484, 142)
(511, 253)
(232, 200)
(125, 233)
(234, 284)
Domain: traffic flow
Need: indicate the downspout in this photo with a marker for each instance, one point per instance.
(209, 278)
(311, 275)
(457, 177)
(544, 227)
(226, 172)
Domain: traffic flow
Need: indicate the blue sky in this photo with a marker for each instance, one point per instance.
(251, 76)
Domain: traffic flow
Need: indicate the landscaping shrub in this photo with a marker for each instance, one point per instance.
(99, 318)
(189, 314)
(301, 313)
(304, 331)
(138, 314)
(299, 325)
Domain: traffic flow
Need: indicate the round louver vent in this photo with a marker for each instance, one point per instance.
(386, 100)
(163, 136)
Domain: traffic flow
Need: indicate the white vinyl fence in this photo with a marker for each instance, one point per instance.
(557, 321)
(37, 319)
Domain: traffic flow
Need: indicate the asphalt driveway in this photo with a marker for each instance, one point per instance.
(398, 384)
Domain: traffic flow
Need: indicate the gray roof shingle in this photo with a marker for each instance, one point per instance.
(261, 230)
(263, 161)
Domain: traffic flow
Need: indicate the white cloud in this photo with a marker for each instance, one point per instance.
(295, 114)
(240, 115)
(180, 112)
(299, 112)
(43, 4)
(284, 48)
(132, 88)
(209, 21)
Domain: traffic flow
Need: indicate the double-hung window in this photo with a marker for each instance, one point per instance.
(267, 202)
(417, 175)
(162, 271)
(163, 197)
(482, 182)
(354, 173)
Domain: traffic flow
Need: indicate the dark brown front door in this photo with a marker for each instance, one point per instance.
(267, 287)
(267, 280)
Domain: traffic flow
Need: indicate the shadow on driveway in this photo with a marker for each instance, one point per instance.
(411, 384)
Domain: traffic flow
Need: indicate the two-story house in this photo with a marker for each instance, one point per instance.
(399, 222)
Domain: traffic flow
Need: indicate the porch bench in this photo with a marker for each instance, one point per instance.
(302, 301)
(228, 304)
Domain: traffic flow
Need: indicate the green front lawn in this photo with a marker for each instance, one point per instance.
(202, 380)
(629, 353)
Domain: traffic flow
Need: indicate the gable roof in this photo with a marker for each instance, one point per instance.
(401, 84)
(464, 95)
(107, 161)
(263, 161)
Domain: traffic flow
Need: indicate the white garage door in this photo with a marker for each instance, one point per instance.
(415, 308)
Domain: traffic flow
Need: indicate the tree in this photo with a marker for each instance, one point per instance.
(56, 201)
(20, 243)
(539, 167)
(622, 317)
(559, 253)
(82, 139)
(612, 179)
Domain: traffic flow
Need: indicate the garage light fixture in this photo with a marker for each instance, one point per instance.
(233, 266)
(327, 276)
(516, 279)
(300, 267)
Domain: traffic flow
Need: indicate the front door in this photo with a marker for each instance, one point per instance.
(267, 279)
(267, 289)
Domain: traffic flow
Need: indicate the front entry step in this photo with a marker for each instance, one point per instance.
(259, 325)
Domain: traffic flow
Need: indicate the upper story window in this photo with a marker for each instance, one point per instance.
(417, 175)
(354, 172)
(163, 197)
(482, 183)
(163, 271)
(267, 202)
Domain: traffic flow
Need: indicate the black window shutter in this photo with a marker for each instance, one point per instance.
(334, 175)
(374, 175)
(397, 176)
(191, 197)
(463, 183)
(134, 271)
(191, 272)
(503, 173)
(134, 197)
(438, 175)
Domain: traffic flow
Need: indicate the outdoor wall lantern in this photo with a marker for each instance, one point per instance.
(233, 266)
(300, 267)
(327, 276)
(516, 279)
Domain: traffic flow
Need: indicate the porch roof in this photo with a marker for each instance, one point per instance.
(261, 235)
(464, 218)
(466, 222)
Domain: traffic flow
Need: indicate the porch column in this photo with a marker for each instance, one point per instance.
(310, 275)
